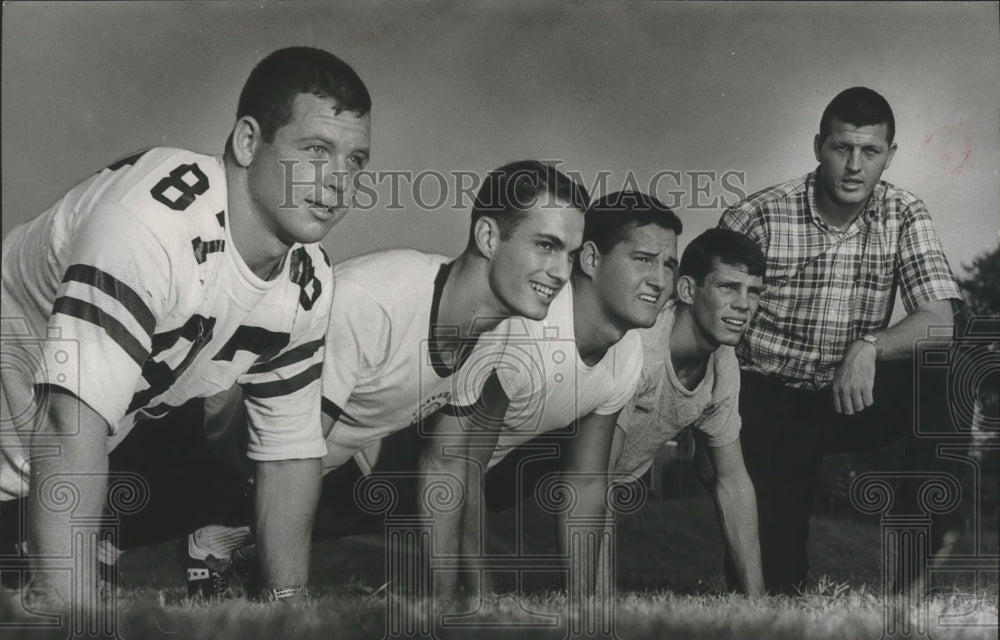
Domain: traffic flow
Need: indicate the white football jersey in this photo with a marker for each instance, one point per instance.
(128, 293)
(381, 372)
(549, 386)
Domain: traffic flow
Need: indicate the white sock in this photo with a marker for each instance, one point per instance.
(218, 541)
(108, 553)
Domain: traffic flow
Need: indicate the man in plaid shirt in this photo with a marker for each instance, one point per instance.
(822, 370)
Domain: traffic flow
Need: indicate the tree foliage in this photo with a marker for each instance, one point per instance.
(982, 286)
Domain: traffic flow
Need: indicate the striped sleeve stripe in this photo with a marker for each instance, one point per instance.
(298, 354)
(331, 409)
(113, 328)
(476, 406)
(284, 387)
(115, 288)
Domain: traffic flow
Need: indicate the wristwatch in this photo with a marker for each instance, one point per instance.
(274, 595)
(873, 341)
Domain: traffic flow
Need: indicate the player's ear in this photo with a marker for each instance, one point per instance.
(892, 152)
(685, 289)
(817, 145)
(486, 234)
(590, 258)
(244, 140)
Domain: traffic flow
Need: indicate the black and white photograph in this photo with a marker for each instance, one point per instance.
(500, 319)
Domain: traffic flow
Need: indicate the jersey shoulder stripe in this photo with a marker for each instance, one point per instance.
(124, 294)
(286, 386)
(128, 160)
(90, 313)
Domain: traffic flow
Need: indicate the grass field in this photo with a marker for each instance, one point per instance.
(669, 581)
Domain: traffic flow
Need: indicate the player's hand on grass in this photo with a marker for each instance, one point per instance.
(57, 593)
(854, 381)
(40, 595)
(464, 595)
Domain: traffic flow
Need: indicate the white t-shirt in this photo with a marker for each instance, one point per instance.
(662, 406)
(549, 386)
(128, 293)
(380, 370)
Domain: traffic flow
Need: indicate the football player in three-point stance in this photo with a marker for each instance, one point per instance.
(690, 378)
(172, 275)
(622, 277)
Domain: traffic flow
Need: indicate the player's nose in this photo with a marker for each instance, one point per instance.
(560, 267)
(659, 278)
(742, 300)
(338, 179)
(854, 160)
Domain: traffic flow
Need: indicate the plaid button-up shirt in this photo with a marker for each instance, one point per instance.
(826, 287)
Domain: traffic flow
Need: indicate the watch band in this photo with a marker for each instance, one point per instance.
(873, 341)
(273, 595)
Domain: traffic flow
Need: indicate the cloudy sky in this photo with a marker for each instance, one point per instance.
(715, 99)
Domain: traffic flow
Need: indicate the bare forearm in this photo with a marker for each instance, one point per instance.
(737, 508)
(286, 495)
(586, 469)
(459, 451)
(854, 380)
(449, 538)
(49, 528)
(899, 340)
(81, 467)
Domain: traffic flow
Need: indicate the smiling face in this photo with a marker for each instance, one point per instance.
(529, 266)
(634, 279)
(301, 183)
(851, 161)
(723, 304)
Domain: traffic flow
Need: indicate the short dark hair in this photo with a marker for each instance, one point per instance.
(509, 192)
(272, 86)
(859, 106)
(721, 246)
(610, 218)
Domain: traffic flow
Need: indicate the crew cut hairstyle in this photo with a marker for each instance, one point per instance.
(270, 90)
(722, 246)
(509, 192)
(859, 106)
(610, 218)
